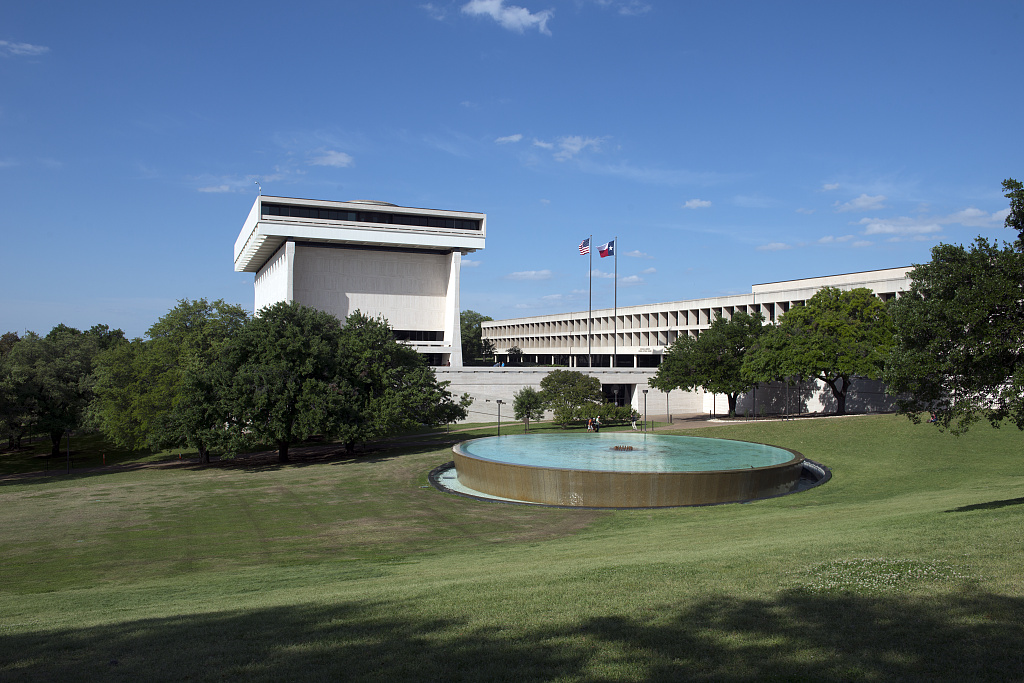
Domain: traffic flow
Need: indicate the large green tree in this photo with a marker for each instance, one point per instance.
(475, 349)
(283, 380)
(163, 391)
(528, 404)
(294, 372)
(570, 394)
(388, 387)
(836, 335)
(714, 360)
(50, 379)
(959, 348)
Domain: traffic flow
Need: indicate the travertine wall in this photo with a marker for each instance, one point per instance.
(274, 280)
(408, 289)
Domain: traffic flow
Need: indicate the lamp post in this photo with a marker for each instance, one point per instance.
(668, 416)
(645, 410)
(500, 403)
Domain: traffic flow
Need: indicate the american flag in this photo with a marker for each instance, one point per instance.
(585, 247)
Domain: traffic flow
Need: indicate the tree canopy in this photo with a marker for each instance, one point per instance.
(48, 381)
(388, 387)
(713, 360)
(475, 349)
(528, 404)
(294, 372)
(162, 392)
(836, 335)
(569, 393)
(959, 335)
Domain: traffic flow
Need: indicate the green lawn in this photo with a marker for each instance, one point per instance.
(905, 566)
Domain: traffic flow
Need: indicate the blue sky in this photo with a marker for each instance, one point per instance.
(723, 143)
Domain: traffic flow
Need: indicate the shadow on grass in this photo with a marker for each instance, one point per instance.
(991, 505)
(258, 461)
(796, 636)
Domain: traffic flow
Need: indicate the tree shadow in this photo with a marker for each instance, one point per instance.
(794, 636)
(991, 505)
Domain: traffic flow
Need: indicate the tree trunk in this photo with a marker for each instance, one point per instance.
(204, 454)
(55, 437)
(282, 451)
(350, 447)
(839, 394)
(732, 404)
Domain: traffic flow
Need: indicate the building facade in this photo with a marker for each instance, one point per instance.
(401, 263)
(638, 336)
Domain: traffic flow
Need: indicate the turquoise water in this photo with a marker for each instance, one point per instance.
(651, 453)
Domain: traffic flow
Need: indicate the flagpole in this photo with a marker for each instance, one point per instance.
(590, 303)
(615, 311)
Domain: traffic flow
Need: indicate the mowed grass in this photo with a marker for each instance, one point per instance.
(906, 566)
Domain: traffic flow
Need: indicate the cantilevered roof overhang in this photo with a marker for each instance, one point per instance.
(262, 235)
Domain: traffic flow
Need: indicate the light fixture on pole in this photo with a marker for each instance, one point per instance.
(645, 410)
(668, 416)
(500, 404)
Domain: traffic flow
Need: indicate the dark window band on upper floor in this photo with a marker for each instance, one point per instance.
(290, 211)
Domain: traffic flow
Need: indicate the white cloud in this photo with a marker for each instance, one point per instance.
(774, 246)
(22, 49)
(828, 187)
(216, 188)
(330, 157)
(553, 297)
(830, 239)
(434, 11)
(601, 274)
(862, 243)
(636, 253)
(807, 212)
(633, 8)
(512, 17)
(631, 280)
(570, 146)
(976, 218)
(626, 7)
(530, 275)
(862, 203)
(545, 202)
(649, 271)
(467, 263)
(509, 138)
(901, 226)
(697, 204)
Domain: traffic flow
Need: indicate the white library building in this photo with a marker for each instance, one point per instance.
(398, 262)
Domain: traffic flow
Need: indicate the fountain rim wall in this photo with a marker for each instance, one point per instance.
(617, 489)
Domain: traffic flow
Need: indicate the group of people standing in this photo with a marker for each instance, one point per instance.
(594, 423)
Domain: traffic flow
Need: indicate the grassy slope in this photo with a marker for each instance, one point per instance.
(906, 566)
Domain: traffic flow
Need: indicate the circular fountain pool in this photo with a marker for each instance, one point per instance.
(625, 470)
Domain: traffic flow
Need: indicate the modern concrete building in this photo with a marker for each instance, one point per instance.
(638, 336)
(398, 262)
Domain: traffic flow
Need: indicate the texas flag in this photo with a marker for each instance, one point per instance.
(607, 249)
